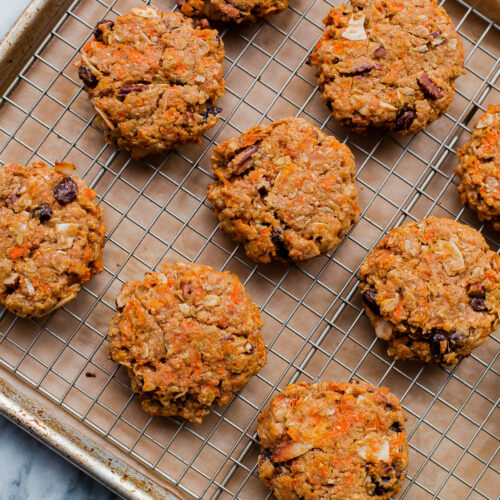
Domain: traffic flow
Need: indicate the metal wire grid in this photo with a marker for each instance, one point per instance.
(315, 328)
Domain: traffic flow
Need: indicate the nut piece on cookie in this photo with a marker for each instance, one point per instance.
(51, 237)
(431, 289)
(333, 440)
(286, 190)
(153, 79)
(479, 168)
(389, 65)
(190, 338)
(231, 11)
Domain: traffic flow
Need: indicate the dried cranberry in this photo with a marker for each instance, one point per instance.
(369, 298)
(101, 26)
(478, 304)
(65, 191)
(43, 212)
(87, 77)
(405, 119)
(215, 110)
(277, 238)
(438, 345)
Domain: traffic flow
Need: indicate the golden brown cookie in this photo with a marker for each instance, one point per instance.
(388, 64)
(333, 440)
(432, 290)
(153, 79)
(236, 11)
(190, 338)
(479, 168)
(286, 190)
(51, 237)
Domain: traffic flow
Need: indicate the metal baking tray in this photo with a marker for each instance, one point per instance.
(55, 379)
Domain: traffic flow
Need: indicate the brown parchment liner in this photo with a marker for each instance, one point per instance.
(156, 212)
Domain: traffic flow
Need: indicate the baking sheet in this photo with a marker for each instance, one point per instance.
(314, 326)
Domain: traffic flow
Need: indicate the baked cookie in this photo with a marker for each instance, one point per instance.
(432, 290)
(153, 79)
(240, 11)
(388, 64)
(286, 190)
(333, 440)
(51, 237)
(479, 168)
(189, 336)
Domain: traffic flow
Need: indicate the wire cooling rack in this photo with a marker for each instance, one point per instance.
(315, 328)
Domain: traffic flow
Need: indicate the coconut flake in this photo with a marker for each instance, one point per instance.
(146, 11)
(437, 41)
(64, 167)
(66, 233)
(184, 308)
(383, 452)
(485, 121)
(452, 43)
(362, 453)
(211, 300)
(387, 106)
(29, 286)
(356, 28)
(383, 330)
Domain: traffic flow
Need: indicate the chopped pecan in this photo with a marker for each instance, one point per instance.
(380, 51)
(126, 89)
(429, 88)
(362, 68)
(242, 160)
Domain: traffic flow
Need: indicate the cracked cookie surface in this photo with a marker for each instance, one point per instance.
(189, 336)
(153, 79)
(479, 168)
(432, 290)
(333, 440)
(51, 237)
(240, 11)
(388, 64)
(286, 190)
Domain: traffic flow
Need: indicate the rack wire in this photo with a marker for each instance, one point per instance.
(315, 328)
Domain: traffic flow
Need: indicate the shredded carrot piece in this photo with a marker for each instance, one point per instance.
(17, 252)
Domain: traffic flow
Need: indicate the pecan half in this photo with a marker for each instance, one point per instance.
(429, 88)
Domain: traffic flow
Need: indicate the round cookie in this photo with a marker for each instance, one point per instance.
(388, 64)
(242, 11)
(333, 440)
(286, 190)
(432, 290)
(189, 336)
(51, 237)
(479, 168)
(153, 79)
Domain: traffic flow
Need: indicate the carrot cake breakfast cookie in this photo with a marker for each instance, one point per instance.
(432, 290)
(51, 237)
(286, 190)
(153, 78)
(333, 440)
(479, 168)
(389, 64)
(190, 338)
(240, 11)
